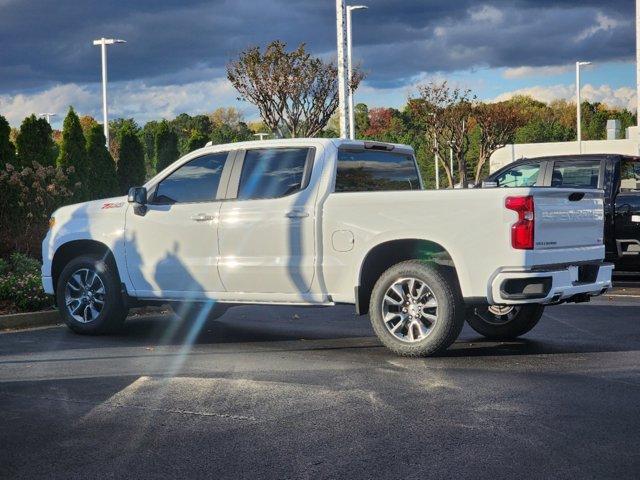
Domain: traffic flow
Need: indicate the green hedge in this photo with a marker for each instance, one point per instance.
(21, 284)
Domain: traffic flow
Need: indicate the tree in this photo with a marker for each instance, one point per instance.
(148, 138)
(130, 167)
(184, 125)
(295, 93)
(7, 150)
(229, 115)
(361, 118)
(115, 127)
(539, 130)
(196, 140)
(73, 153)
(445, 114)
(87, 122)
(166, 146)
(497, 124)
(380, 120)
(226, 134)
(34, 143)
(103, 181)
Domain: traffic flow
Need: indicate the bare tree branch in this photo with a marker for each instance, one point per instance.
(498, 123)
(295, 93)
(444, 113)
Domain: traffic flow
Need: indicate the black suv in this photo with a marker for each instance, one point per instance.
(617, 175)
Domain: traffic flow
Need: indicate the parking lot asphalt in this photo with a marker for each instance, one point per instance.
(278, 392)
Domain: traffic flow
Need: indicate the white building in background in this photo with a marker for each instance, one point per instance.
(630, 145)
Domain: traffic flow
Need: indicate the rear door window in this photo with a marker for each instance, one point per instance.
(273, 172)
(629, 175)
(523, 175)
(576, 174)
(375, 170)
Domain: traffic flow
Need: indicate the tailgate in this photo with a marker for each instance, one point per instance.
(566, 218)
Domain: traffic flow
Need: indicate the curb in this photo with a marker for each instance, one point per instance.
(29, 320)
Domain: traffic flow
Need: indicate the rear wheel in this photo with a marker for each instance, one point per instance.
(415, 309)
(504, 322)
(89, 296)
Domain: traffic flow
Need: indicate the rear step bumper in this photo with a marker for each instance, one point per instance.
(567, 283)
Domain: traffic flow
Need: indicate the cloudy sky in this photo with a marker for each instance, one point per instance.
(177, 50)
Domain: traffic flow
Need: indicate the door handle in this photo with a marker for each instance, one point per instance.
(202, 217)
(297, 214)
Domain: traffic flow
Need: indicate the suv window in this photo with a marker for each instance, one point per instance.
(195, 181)
(576, 174)
(375, 170)
(629, 175)
(525, 175)
(272, 173)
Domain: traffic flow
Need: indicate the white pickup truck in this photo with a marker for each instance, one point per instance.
(322, 222)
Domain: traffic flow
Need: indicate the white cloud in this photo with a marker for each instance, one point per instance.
(487, 14)
(126, 99)
(56, 100)
(603, 24)
(623, 97)
(525, 72)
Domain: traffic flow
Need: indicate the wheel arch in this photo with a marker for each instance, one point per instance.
(388, 253)
(74, 248)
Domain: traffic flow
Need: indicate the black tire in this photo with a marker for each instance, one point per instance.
(186, 310)
(449, 311)
(113, 312)
(504, 324)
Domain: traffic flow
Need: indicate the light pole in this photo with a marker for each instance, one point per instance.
(453, 178)
(351, 8)
(103, 42)
(47, 116)
(579, 104)
(638, 61)
(436, 158)
(343, 88)
(436, 155)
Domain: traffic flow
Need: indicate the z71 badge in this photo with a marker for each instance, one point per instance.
(112, 205)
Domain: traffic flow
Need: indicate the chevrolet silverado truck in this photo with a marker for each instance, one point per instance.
(320, 222)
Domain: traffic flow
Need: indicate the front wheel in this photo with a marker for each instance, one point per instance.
(416, 309)
(504, 322)
(89, 296)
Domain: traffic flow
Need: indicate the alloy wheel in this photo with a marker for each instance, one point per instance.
(410, 310)
(84, 295)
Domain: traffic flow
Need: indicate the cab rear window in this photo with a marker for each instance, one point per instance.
(375, 170)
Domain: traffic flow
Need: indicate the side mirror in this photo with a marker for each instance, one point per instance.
(138, 196)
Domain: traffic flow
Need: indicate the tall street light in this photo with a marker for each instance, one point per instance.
(351, 8)
(638, 62)
(103, 42)
(436, 156)
(343, 88)
(579, 104)
(47, 116)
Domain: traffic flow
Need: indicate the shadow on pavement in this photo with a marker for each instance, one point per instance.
(566, 330)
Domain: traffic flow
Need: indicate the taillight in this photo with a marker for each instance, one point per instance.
(522, 230)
